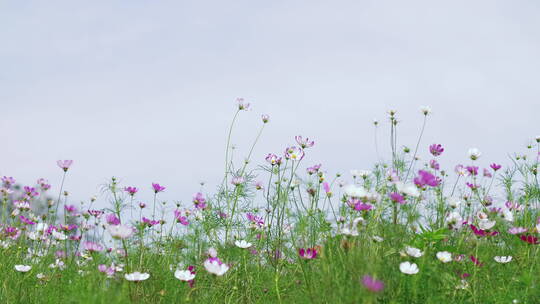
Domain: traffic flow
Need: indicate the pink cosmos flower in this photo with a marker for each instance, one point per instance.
(397, 198)
(294, 153)
(480, 232)
(7, 181)
(242, 105)
(265, 118)
(273, 159)
(436, 149)
(372, 284)
(473, 170)
(112, 219)
(426, 178)
(517, 230)
(304, 143)
(27, 221)
(476, 261)
(309, 253)
(180, 218)
(487, 173)
(157, 187)
(64, 164)
(92, 247)
(434, 165)
(149, 222)
(255, 220)
(327, 189)
(199, 200)
(237, 180)
(131, 190)
(314, 169)
(30, 191)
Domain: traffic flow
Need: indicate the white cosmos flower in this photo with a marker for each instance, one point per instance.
(184, 275)
(426, 110)
(120, 231)
(486, 224)
(136, 276)
(23, 268)
(414, 252)
(474, 153)
(377, 238)
(444, 256)
(242, 244)
(360, 173)
(214, 267)
(454, 202)
(408, 189)
(355, 191)
(59, 235)
(503, 259)
(508, 215)
(408, 268)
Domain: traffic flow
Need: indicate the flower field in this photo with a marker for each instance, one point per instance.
(282, 228)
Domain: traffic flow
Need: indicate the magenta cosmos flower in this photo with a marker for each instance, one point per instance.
(495, 166)
(199, 200)
(308, 254)
(425, 178)
(436, 149)
(397, 198)
(64, 164)
(529, 239)
(372, 284)
(131, 190)
(157, 187)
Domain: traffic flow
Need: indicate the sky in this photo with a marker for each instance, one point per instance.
(145, 90)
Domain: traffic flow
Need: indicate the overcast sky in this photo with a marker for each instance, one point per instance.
(145, 90)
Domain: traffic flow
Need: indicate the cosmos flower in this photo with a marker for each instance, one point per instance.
(294, 153)
(408, 189)
(413, 252)
(23, 268)
(120, 231)
(199, 200)
(265, 118)
(136, 276)
(64, 164)
(308, 254)
(131, 190)
(529, 239)
(397, 198)
(425, 110)
(157, 187)
(372, 284)
(184, 275)
(242, 105)
(436, 149)
(474, 153)
(503, 259)
(215, 266)
(426, 178)
(304, 142)
(517, 230)
(408, 268)
(273, 159)
(355, 191)
(444, 256)
(495, 166)
(242, 244)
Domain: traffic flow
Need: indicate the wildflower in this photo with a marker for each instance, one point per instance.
(157, 187)
(433, 164)
(256, 221)
(463, 284)
(92, 247)
(180, 218)
(259, 185)
(242, 105)
(149, 222)
(304, 143)
(444, 256)
(265, 118)
(425, 110)
(7, 181)
(517, 230)
(308, 254)
(59, 236)
(184, 275)
(120, 231)
(408, 189)
(476, 261)
(460, 170)
(413, 252)
(507, 215)
(242, 244)
(64, 164)
(112, 219)
(408, 268)
(486, 224)
(377, 238)
(397, 198)
(495, 166)
(199, 200)
(529, 239)
(273, 159)
(454, 202)
(487, 173)
(327, 189)
(215, 266)
(481, 232)
(109, 271)
(355, 191)
(361, 206)
(136, 276)
(294, 153)
(474, 153)
(426, 178)
(237, 180)
(131, 190)
(472, 170)
(23, 268)
(142, 205)
(372, 284)
(314, 169)
(436, 149)
(503, 259)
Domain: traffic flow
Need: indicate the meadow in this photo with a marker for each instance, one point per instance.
(281, 229)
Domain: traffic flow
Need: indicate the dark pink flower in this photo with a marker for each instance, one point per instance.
(397, 198)
(372, 284)
(157, 187)
(309, 253)
(199, 200)
(436, 149)
(476, 261)
(529, 239)
(112, 219)
(495, 166)
(426, 178)
(131, 190)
